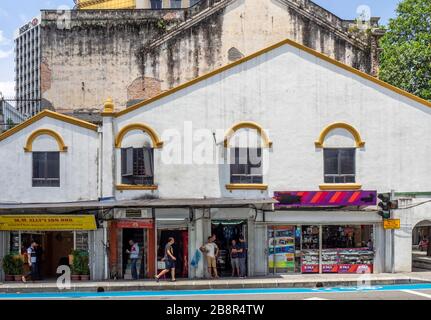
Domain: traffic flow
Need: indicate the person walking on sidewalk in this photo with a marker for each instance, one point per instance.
(234, 260)
(242, 255)
(32, 263)
(134, 256)
(169, 260)
(211, 251)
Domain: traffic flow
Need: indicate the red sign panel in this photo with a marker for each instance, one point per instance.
(136, 224)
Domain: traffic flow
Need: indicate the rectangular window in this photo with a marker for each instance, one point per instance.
(156, 4)
(137, 166)
(175, 4)
(246, 165)
(339, 165)
(46, 169)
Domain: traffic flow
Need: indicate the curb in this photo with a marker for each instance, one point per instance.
(205, 286)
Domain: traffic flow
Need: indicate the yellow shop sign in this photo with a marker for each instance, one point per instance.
(47, 222)
(392, 223)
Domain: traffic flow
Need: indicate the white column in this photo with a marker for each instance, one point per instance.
(379, 248)
(4, 242)
(108, 152)
(185, 3)
(251, 252)
(166, 4)
(143, 4)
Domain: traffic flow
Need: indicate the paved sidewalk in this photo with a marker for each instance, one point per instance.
(285, 281)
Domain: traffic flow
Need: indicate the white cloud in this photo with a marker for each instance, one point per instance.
(5, 54)
(7, 88)
(3, 39)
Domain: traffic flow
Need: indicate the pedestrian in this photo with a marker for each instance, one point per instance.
(370, 245)
(32, 263)
(234, 260)
(211, 251)
(134, 256)
(39, 253)
(169, 260)
(242, 255)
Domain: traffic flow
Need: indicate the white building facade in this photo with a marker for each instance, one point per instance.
(286, 148)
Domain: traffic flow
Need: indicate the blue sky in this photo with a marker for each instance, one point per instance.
(14, 13)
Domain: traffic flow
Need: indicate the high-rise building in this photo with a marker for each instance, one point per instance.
(27, 68)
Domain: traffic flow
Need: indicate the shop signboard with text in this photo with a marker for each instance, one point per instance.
(47, 223)
(392, 224)
(297, 199)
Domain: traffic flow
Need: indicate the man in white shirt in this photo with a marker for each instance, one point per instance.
(32, 262)
(210, 249)
(134, 256)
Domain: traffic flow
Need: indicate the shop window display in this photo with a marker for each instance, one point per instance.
(310, 249)
(347, 249)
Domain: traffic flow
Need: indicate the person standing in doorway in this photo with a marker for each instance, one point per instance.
(134, 256)
(242, 255)
(169, 260)
(32, 262)
(39, 253)
(210, 249)
(234, 260)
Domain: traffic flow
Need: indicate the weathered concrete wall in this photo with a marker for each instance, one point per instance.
(136, 54)
(92, 56)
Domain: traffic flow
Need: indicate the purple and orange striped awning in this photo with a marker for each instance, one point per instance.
(289, 199)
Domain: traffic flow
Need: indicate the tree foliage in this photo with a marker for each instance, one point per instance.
(406, 56)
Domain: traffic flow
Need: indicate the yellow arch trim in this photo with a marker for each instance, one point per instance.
(29, 145)
(138, 126)
(340, 125)
(250, 125)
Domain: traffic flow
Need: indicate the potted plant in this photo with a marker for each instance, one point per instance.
(85, 268)
(18, 267)
(8, 267)
(75, 265)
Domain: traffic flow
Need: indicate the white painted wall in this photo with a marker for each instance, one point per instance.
(78, 166)
(293, 95)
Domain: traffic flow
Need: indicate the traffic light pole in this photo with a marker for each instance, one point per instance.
(389, 244)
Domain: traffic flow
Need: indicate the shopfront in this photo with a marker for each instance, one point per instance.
(320, 248)
(174, 223)
(326, 239)
(140, 231)
(226, 231)
(56, 235)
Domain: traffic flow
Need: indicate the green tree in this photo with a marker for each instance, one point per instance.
(406, 56)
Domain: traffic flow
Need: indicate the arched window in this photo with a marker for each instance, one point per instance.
(45, 146)
(339, 142)
(245, 142)
(137, 143)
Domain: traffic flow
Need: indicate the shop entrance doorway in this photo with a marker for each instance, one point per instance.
(226, 231)
(55, 248)
(139, 237)
(421, 248)
(180, 248)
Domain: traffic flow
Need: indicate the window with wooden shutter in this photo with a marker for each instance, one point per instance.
(137, 166)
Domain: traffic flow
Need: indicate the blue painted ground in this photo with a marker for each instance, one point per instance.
(179, 293)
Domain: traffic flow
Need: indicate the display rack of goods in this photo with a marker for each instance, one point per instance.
(355, 261)
(330, 261)
(310, 261)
